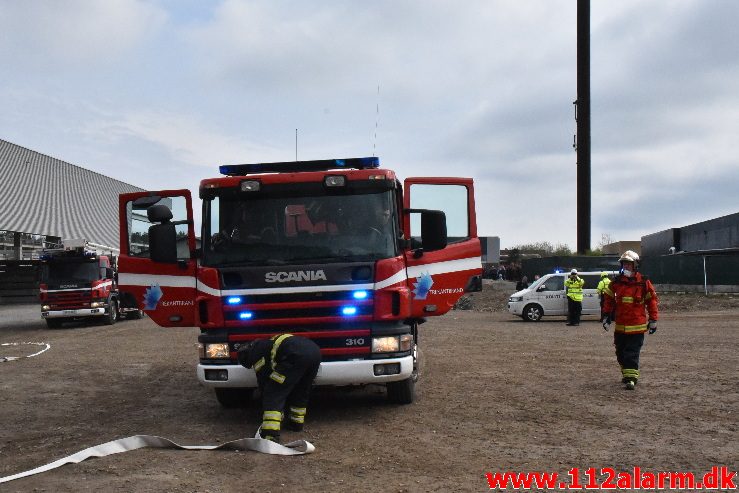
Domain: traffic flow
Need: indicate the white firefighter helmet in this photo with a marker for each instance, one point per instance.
(573, 271)
(629, 256)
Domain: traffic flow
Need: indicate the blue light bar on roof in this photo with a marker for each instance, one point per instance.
(298, 166)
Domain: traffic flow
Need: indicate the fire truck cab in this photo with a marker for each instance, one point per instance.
(336, 250)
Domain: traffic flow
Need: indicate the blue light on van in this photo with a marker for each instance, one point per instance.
(245, 315)
(360, 295)
(349, 310)
(233, 300)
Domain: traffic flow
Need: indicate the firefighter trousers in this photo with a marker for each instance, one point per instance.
(288, 386)
(628, 347)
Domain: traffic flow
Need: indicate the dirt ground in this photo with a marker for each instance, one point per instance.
(496, 394)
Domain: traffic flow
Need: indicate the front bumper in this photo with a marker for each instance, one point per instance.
(81, 312)
(330, 373)
(515, 307)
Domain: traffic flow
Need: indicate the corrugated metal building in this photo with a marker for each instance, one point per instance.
(42, 195)
(44, 199)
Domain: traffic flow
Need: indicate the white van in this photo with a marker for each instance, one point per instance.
(546, 296)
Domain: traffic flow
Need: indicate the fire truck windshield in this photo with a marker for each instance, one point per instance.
(299, 229)
(65, 271)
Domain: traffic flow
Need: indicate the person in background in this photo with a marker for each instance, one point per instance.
(629, 300)
(573, 288)
(602, 285)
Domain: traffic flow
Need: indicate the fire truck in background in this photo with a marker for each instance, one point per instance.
(78, 282)
(336, 250)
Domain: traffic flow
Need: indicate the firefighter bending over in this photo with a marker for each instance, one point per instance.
(628, 300)
(286, 366)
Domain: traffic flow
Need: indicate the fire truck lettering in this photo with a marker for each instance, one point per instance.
(299, 276)
(178, 303)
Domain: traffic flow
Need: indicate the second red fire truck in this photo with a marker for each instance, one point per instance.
(336, 250)
(78, 283)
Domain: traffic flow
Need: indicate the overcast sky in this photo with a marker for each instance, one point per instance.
(159, 93)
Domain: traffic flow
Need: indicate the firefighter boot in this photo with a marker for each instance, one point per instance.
(270, 429)
(297, 418)
(630, 385)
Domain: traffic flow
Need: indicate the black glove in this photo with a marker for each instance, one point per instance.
(652, 325)
(606, 322)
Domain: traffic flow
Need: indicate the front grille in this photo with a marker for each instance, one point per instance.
(68, 300)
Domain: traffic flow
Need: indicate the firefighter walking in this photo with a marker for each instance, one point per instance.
(286, 366)
(628, 300)
(573, 288)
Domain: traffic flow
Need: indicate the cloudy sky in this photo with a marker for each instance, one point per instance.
(159, 93)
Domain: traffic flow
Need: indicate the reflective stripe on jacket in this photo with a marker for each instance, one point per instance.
(632, 301)
(574, 288)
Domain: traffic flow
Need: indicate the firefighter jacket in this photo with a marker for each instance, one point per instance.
(269, 356)
(630, 300)
(602, 285)
(573, 286)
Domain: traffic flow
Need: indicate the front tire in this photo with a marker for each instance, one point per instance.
(135, 315)
(112, 315)
(404, 391)
(233, 397)
(532, 313)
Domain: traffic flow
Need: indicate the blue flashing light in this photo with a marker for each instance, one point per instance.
(298, 166)
(233, 300)
(349, 310)
(246, 315)
(360, 295)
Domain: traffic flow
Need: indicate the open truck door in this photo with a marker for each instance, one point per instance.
(157, 265)
(444, 259)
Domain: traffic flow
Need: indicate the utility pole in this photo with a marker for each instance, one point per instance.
(582, 117)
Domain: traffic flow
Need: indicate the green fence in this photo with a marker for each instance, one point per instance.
(708, 273)
(698, 273)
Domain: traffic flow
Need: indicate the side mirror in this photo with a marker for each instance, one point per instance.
(433, 230)
(541, 288)
(109, 273)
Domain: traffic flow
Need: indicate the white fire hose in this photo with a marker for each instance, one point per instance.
(127, 444)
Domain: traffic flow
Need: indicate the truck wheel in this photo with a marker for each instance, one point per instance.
(54, 323)
(135, 315)
(401, 392)
(404, 391)
(112, 315)
(233, 397)
(532, 313)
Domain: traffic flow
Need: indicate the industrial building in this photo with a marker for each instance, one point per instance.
(44, 200)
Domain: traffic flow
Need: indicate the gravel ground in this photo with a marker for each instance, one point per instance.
(496, 394)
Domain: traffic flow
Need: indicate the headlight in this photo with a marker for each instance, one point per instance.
(217, 350)
(385, 344)
(392, 344)
(97, 304)
(514, 299)
(45, 308)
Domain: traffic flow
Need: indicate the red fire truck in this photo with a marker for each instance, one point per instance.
(335, 250)
(78, 282)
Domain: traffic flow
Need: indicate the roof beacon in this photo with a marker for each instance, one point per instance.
(298, 166)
